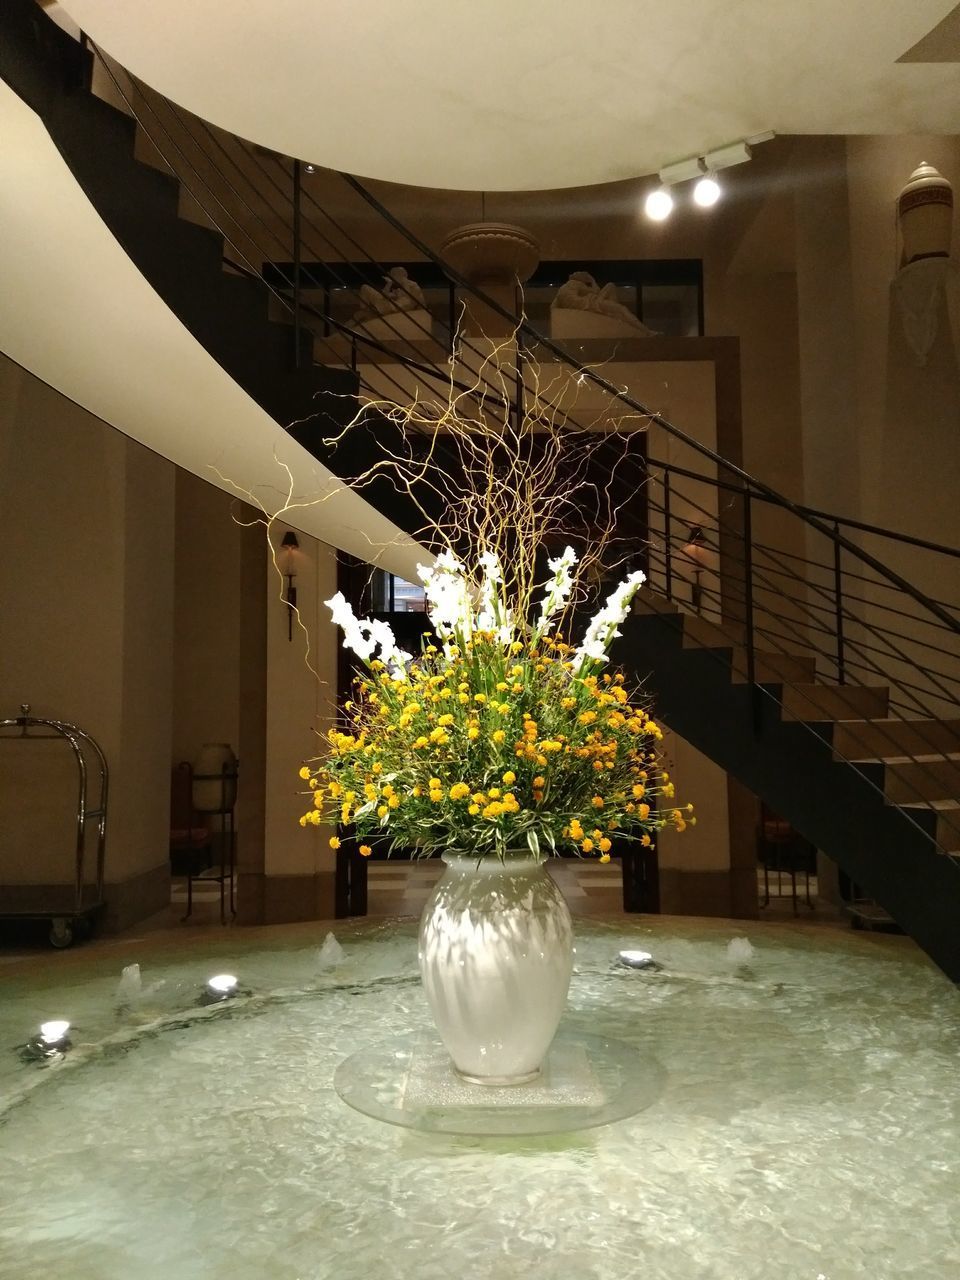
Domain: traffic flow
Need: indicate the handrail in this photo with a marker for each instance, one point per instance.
(859, 525)
(746, 490)
(749, 482)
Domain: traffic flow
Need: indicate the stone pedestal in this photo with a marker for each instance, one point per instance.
(497, 259)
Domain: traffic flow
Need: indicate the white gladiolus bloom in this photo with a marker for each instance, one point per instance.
(558, 589)
(448, 595)
(494, 615)
(603, 630)
(363, 636)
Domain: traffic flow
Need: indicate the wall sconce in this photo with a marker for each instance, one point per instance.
(286, 562)
(700, 556)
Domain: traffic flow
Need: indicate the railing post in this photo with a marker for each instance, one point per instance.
(296, 264)
(838, 601)
(748, 600)
(668, 552)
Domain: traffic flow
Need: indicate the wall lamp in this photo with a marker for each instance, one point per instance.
(286, 562)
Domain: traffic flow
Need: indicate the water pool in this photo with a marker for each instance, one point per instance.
(808, 1127)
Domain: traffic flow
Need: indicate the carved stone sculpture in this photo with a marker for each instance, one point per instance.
(582, 293)
(399, 293)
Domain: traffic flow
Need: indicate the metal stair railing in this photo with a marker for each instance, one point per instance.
(748, 585)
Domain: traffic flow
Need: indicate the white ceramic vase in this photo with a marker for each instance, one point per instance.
(496, 953)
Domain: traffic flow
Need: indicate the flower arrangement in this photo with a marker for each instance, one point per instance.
(501, 735)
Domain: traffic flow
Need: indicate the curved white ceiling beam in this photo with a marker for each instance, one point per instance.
(78, 314)
(529, 94)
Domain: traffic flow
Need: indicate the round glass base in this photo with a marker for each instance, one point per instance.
(586, 1081)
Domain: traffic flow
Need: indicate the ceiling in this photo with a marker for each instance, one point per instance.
(75, 292)
(534, 95)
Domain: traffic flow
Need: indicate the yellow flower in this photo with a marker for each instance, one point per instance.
(459, 790)
(639, 791)
(304, 818)
(509, 777)
(445, 719)
(644, 811)
(604, 857)
(394, 802)
(474, 809)
(473, 732)
(539, 782)
(304, 773)
(494, 793)
(516, 647)
(377, 767)
(597, 802)
(645, 841)
(576, 830)
(334, 842)
(382, 811)
(586, 845)
(604, 845)
(436, 796)
(501, 686)
(498, 735)
(365, 851)
(587, 717)
(480, 697)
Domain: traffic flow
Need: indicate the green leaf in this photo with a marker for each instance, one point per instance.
(533, 840)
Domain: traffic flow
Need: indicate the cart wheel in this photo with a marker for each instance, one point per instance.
(61, 933)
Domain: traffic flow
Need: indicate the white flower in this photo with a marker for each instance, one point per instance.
(448, 596)
(603, 630)
(353, 637)
(363, 636)
(494, 615)
(558, 589)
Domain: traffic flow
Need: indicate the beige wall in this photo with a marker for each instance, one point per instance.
(206, 650)
(86, 523)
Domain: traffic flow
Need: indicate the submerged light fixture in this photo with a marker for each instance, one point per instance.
(220, 987)
(638, 960)
(52, 1040)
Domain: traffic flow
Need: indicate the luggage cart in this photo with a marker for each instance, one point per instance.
(69, 911)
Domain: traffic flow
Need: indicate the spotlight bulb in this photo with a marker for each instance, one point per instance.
(707, 191)
(658, 205)
(637, 960)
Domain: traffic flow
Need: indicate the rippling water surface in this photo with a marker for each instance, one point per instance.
(810, 1125)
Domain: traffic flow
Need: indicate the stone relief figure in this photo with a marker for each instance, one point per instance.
(582, 293)
(399, 293)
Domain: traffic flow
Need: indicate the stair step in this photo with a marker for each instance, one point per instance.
(647, 601)
(701, 632)
(812, 702)
(888, 739)
(946, 822)
(913, 780)
(773, 668)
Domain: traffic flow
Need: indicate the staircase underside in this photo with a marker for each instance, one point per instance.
(791, 765)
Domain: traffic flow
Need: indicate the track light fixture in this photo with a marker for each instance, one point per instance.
(703, 169)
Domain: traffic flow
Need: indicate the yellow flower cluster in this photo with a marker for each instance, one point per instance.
(484, 747)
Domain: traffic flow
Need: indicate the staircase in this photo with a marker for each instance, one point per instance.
(884, 821)
(824, 702)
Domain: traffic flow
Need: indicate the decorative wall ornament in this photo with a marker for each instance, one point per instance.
(918, 291)
(582, 293)
(925, 213)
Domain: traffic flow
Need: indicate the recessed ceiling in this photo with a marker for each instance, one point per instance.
(530, 94)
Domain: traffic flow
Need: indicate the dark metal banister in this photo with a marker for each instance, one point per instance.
(751, 485)
(859, 525)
